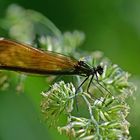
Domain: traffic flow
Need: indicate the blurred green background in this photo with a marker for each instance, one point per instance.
(110, 26)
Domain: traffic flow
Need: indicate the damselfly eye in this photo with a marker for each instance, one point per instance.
(100, 70)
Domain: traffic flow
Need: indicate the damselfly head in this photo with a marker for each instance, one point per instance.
(99, 69)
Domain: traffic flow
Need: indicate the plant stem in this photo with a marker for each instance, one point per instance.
(92, 117)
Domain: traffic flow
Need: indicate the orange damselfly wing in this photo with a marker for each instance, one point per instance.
(20, 57)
